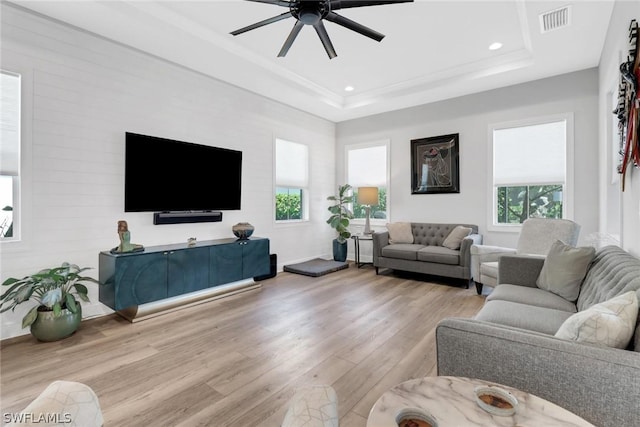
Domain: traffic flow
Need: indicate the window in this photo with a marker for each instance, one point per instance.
(367, 166)
(530, 171)
(292, 181)
(9, 154)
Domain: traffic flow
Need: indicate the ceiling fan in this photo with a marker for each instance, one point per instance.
(313, 12)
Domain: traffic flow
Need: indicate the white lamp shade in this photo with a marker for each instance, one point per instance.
(368, 196)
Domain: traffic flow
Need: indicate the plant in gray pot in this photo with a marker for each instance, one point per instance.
(56, 290)
(339, 219)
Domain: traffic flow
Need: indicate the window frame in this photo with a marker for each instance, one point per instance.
(16, 216)
(568, 193)
(305, 207)
(362, 145)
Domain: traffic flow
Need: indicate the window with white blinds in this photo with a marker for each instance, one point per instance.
(367, 166)
(528, 155)
(291, 181)
(529, 171)
(10, 85)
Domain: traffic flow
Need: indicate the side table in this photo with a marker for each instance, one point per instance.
(450, 401)
(356, 240)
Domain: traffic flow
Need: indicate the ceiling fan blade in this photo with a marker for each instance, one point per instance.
(324, 38)
(289, 41)
(354, 26)
(343, 4)
(262, 23)
(282, 3)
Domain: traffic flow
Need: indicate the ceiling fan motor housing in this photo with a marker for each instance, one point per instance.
(310, 12)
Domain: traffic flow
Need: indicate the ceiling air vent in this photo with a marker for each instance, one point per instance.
(555, 19)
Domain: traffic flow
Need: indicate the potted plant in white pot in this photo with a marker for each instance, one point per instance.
(339, 219)
(56, 290)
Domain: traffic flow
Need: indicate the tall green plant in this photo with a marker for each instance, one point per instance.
(340, 213)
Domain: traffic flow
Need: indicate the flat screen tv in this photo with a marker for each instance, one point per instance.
(164, 175)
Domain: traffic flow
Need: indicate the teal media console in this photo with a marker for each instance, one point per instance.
(140, 285)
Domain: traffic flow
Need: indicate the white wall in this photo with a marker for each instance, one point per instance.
(81, 93)
(470, 116)
(619, 210)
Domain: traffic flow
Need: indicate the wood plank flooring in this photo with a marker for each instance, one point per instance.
(237, 361)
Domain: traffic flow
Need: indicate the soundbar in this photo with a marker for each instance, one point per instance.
(185, 217)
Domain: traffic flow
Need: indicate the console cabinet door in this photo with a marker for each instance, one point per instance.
(255, 258)
(188, 270)
(225, 263)
(140, 279)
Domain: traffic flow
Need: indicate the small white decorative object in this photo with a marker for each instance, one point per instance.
(496, 401)
(191, 241)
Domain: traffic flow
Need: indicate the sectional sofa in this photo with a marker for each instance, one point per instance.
(519, 338)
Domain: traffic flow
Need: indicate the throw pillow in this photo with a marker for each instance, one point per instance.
(564, 269)
(610, 323)
(400, 232)
(454, 239)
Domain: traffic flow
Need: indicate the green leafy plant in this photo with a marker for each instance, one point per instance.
(53, 288)
(340, 213)
(288, 206)
(517, 203)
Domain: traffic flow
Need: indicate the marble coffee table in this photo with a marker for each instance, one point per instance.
(451, 403)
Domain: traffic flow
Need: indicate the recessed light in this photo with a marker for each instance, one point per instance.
(495, 46)
(349, 88)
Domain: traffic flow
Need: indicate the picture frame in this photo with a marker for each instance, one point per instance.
(435, 164)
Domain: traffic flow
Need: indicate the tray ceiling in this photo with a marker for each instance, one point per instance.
(433, 50)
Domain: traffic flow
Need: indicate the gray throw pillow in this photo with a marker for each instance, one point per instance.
(400, 232)
(564, 269)
(454, 239)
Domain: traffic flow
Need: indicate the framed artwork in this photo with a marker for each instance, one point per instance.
(435, 165)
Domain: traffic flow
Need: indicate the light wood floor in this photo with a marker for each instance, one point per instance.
(238, 360)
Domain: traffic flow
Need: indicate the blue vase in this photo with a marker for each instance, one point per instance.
(339, 251)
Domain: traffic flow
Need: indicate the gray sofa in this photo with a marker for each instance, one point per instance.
(511, 341)
(426, 254)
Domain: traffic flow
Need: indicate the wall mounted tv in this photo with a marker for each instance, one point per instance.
(164, 175)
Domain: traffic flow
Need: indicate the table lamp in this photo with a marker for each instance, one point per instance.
(367, 196)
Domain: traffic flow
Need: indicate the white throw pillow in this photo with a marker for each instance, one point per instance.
(564, 269)
(454, 239)
(610, 323)
(400, 232)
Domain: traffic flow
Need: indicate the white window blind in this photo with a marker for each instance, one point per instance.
(367, 167)
(530, 155)
(9, 124)
(292, 164)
